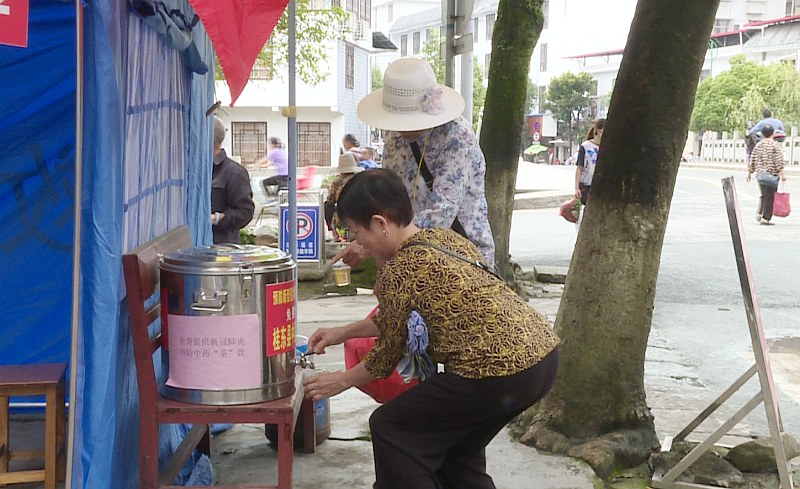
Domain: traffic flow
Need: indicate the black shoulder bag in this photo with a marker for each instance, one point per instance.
(479, 264)
(426, 174)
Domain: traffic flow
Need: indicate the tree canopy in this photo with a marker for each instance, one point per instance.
(314, 27)
(727, 101)
(377, 78)
(568, 97)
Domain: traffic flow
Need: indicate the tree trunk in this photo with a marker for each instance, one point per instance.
(597, 409)
(519, 23)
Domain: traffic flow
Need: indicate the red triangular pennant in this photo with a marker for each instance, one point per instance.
(238, 30)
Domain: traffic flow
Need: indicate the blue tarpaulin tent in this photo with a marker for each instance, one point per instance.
(146, 168)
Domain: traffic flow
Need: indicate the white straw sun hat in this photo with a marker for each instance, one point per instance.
(347, 164)
(410, 99)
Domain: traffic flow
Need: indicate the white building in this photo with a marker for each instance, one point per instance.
(325, 111)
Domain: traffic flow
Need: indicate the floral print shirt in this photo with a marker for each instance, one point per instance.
(458, 167)
(476, 325)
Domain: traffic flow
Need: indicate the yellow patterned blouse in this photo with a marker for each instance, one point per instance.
(477, 326)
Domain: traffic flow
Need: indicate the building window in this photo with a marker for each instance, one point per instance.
(593, 91)
(365, 10)
(261, 70)
(542, 97)
(441, 31)
(488, 61)
(249, 141)
(722, 25)
(475, 23)
(390, 8)
(543, 57)
(704, 74)
(489, 26)
(349, 67)
(404, 45)
(790, 7)
(427, 36)
(546, 13)
(313, 144)
(416, 42)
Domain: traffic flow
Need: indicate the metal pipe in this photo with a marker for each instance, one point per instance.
(29, 405)
(450, 37)
(76, 245)
(467, 75)
(292, 133)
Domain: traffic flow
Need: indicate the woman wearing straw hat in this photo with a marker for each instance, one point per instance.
(347, 168)
(433, 149)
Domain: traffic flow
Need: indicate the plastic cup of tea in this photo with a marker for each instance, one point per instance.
(341, 273)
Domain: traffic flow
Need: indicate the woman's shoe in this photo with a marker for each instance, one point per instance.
(765, 222)
(758, 217)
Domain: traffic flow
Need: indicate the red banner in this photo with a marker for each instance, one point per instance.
(14, 23)
(238, 30)
(281, 317)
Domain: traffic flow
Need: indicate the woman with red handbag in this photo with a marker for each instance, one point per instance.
(767, 162)
(500, 355)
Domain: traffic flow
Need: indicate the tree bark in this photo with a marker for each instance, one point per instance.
(597, 409)
(518, 25)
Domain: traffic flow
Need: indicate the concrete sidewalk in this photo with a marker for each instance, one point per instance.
(345, 460)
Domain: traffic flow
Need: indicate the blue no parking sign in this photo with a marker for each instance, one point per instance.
(308, 233)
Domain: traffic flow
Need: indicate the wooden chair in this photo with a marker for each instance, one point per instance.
(142, 281)
(307, 180)
(32, 380)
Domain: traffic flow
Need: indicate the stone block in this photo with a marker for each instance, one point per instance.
(709, 469)
(759, 454)
(553, 275)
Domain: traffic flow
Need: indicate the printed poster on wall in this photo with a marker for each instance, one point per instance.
(281, 317)
(214, 352)
(14, 23)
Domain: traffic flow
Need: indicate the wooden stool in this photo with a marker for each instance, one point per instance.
(30, 380)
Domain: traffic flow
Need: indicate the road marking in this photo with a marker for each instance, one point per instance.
(718, 184)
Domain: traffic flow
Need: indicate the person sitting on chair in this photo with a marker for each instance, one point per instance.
(279, 159)
(367, 159)
(347, 168)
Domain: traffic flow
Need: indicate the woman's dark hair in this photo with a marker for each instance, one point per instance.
(767, 131)
(275, 141)
(350, 139)
(599, 124)
(375, 192)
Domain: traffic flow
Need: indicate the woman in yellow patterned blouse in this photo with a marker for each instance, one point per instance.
(500, 356)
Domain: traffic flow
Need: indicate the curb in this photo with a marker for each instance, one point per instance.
(734, 167)
(541, 200)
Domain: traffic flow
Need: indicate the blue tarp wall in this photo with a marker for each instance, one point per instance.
(146, 169)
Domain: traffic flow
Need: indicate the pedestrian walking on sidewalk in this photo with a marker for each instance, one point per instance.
(434, 435)
(433, 149)
(587, 159)
(767, 162)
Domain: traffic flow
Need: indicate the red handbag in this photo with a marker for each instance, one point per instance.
(781, 205)
(382, 390)
(567, 210)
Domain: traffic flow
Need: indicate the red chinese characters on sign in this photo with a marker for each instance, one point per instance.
(281, 317)
(14, 23)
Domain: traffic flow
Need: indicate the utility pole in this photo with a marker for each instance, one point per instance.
(456, 19)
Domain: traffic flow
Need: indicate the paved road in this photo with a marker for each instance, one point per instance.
(699, 336)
